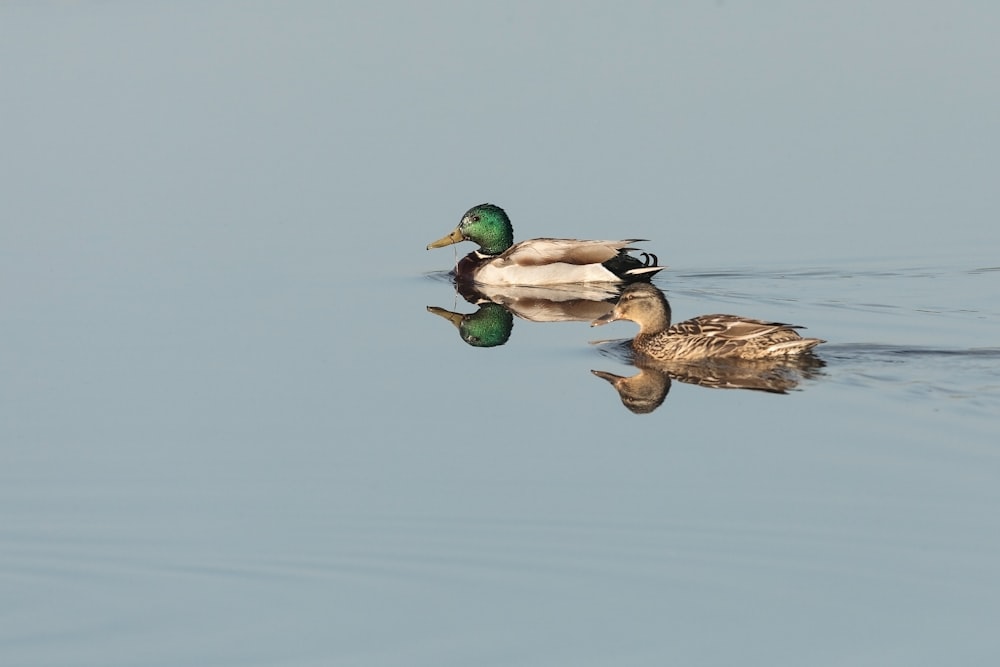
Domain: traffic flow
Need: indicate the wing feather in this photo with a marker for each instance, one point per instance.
(728, 327)
(537, 252)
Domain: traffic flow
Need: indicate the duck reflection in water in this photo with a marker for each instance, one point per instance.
(491, 325)
(487, 327)
(647, 389)
(719, 351)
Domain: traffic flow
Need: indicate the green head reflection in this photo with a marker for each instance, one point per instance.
(487, 327)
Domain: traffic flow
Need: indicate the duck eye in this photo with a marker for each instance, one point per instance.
(475, 218)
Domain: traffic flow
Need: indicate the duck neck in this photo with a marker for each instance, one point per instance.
(496, 240)
(657, 319)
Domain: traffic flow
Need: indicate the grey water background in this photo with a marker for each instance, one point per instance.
(231, 433)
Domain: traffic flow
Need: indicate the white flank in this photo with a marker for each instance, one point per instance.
(547, 274)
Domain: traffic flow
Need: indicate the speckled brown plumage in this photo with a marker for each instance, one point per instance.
(703, 337)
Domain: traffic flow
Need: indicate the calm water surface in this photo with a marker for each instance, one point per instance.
(237, 428)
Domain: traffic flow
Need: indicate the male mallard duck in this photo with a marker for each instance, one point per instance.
(499, 261)
(703, 337)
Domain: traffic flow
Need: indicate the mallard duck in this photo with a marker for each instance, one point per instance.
(703, 337)
(545, 261)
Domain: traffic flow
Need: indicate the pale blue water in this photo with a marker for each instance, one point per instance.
(232, 433)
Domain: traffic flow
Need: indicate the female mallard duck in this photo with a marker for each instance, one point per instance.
(499, 261)
(703, 337)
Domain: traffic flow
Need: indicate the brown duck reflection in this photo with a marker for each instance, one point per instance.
(492, 323)
(647, 389)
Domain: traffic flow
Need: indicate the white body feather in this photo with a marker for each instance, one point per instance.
(548, 261)
(544, 274)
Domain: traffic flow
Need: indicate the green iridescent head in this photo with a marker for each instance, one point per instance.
(487, 327)
(487, 225)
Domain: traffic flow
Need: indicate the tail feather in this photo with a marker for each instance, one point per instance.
(795, 346)
(643, 270)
